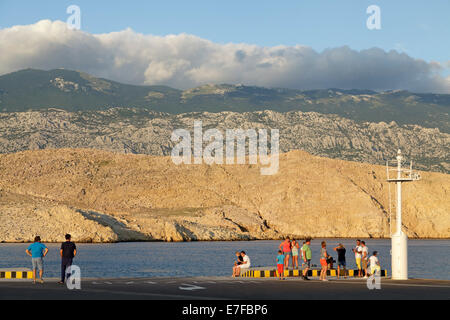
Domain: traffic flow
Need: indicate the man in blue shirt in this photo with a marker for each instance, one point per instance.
(37, 251)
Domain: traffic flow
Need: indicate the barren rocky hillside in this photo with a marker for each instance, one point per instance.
(145, 132)
(100, 196)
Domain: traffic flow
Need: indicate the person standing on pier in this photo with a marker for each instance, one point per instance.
(307, 256)
(364, 258)
(340, 249)
(280, 264)
(302, 254)
(37, 251)
(324, 261)
(358, 254)
(286, 247)
(68, 252)
(295, 249)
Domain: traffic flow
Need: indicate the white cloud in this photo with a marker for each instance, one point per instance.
(185, 61)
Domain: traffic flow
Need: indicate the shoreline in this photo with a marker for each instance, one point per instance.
(243, 240)
(237, 279)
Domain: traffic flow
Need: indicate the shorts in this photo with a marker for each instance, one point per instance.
(306, 264)
(287, 253)
(244, 266)
(280, 269)
(342, 263)
(295, 254)
(358, 263)
(324, 262)
(374, 269)
(38, 264)
(364, 264)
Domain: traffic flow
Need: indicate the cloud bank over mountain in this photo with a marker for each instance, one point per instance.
(186, 61)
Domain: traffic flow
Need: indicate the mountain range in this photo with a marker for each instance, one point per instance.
(74, 155)
(34, 90)
(69, 109)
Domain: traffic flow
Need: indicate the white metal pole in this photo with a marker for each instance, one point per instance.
(399, 239)
(399, 194)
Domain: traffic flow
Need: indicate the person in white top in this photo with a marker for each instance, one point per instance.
(364, 258)
(358, 254)
(246, 263)
(374, 264)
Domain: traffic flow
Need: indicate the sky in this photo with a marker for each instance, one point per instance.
(318, 30)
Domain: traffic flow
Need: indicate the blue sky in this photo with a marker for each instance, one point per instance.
(419, 28)
(304, 44)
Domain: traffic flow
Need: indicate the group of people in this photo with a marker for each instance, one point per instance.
(291, 248)
(363, 261)
(287, 249)
(37, 251)
(241, 264)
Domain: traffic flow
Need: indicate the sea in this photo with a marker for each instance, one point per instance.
(428, 259)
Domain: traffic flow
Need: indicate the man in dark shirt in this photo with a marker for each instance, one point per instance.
(68, 252)
(341, 259)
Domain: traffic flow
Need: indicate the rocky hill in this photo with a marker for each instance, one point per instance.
(100, 196)
(140, 131)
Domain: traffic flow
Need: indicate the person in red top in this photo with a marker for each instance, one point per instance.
(286, 248)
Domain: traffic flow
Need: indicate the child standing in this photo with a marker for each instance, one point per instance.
(280, 264)
(374, 264)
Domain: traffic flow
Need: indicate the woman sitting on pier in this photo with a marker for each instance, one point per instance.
(243, 266)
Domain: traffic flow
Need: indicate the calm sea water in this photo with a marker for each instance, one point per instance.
(427, 258)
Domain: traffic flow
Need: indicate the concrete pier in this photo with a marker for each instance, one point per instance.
(272, 273)
(226, 288)
(16, 273)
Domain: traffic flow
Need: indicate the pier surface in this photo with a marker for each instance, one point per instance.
(222, 288)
